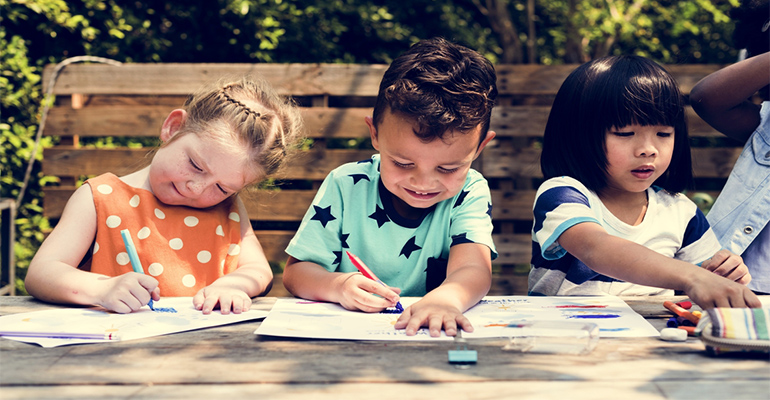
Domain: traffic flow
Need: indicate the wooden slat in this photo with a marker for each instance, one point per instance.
(313, 164)
(513, 248)
(274, 243)
(291, 205)
(145, 121)
(185, 78)
(304, 79)
(281, 205)
(525, 163)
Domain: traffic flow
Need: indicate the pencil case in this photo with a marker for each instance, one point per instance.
(735, 330)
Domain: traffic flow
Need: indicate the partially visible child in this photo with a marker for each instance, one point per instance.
(609, 218)
(740, 219)
(190, 228)
(416, 213)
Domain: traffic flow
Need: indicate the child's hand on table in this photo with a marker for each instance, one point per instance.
(229, 299)
(128, 292)
(711, 290)
(434, 315)
(730, 265)
(356, 294)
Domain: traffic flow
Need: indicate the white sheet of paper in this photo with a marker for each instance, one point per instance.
(490, 318)
(140, 324)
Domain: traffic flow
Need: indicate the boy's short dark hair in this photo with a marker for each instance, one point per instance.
(443, 86)
(752, 26)
(613, 91)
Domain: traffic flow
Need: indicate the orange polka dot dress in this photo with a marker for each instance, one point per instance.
(185, 248)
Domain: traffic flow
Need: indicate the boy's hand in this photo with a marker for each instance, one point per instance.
(128, 292)
(730, 265)
(228, 298)
(710, 290)
(434, 315)
(356, 294)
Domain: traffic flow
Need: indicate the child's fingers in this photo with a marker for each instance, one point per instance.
(435, 323)
(118, 306)
(198, 299)
(135, 300)
(412, 322)
(373, 287)
(225, 303)
(367, 303)
(713, 263)
(727, 266)
(403, 319)
(450, 327)
(752, 300)
(745, 279)
(149, 283)
(359, 294)
(209, 303)
(464, 323)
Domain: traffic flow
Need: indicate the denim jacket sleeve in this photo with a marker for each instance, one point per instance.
(738, 218)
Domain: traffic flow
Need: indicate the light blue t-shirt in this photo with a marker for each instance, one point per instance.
(739, 217)
(353, 211)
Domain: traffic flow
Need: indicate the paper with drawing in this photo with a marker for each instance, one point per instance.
(136, 325)
(494, 316)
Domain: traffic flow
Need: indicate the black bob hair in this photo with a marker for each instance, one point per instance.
(613, 91)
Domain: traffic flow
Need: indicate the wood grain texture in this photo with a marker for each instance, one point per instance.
(231, 361)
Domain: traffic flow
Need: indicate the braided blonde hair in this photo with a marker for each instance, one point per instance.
(247, 114)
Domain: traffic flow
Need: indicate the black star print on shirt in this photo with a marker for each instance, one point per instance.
(435, 273)
(344, 240)
(324, 215)
(461, 198)
(337, 257)
(380, 216)
(461, 238)
(368, 160)
(358, 177)
(409, 247)
(489, 209)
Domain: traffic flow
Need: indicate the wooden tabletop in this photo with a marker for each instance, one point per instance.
(232, 361)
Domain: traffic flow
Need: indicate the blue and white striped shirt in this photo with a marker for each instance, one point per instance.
(673, 226)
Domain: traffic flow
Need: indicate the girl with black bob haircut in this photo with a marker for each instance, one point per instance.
(613, 92)
(609, 219)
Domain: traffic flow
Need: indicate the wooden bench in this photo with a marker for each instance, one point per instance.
(131, 100)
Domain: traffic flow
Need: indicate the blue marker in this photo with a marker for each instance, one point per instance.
(133, 256)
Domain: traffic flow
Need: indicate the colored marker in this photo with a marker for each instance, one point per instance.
(133, 256)
(62, 335)
(369, 274)
(680, 311)
(690, 329)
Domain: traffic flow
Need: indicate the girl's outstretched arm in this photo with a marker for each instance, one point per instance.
(722, 98)
(53, 275)
(233, 292)
(622, 259)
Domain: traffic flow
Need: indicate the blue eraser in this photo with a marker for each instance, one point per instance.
(463, 356)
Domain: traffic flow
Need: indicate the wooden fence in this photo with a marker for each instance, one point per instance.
(132, 100)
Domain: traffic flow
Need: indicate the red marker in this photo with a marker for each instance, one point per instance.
(369, 274)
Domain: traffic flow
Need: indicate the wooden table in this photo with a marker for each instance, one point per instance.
(230, 362)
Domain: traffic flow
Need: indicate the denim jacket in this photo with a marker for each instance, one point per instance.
(743, 209)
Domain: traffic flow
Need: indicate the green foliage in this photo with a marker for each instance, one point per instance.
(37, 32)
